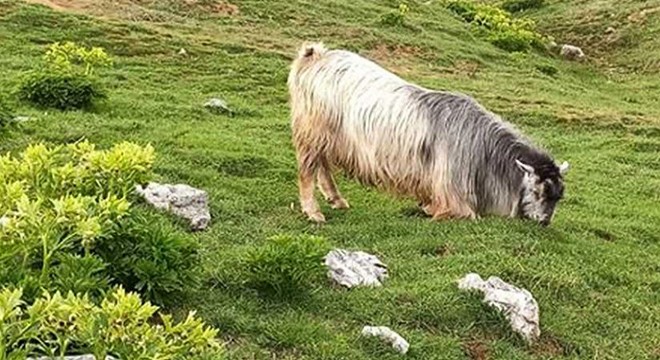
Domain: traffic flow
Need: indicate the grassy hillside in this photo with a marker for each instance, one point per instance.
(595, 271)
(618, 35)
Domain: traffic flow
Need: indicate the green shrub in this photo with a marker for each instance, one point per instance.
(286, 264)
(66, 81)
(121, 326)
(547, 69)
(501, 29)
(397, 17)
(512, 40)
(466, 10)
(59, 90)
(513, 6)
(79, 274)
(148, 255)
(63, 200)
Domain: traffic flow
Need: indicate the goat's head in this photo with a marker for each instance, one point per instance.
(542, 188)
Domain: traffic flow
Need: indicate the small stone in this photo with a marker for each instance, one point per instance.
(571, 52)
(397, 341)
(183, 52)
(20, 119)
(181, 200)
(218, 105)
(355, 268)
(518, 305)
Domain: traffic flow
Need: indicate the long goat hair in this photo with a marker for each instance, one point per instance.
(444, 149)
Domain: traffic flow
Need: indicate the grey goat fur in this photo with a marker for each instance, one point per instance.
(445, 149)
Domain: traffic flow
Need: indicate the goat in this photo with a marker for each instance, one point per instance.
(444, 149)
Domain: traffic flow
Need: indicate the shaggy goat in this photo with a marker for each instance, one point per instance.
(458, 159)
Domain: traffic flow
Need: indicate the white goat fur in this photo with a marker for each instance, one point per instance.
(350, 113)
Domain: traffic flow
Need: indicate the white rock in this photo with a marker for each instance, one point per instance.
(571, 52)
(4, 221)
(355, 268)
(518, 305)
(183, 52)
(182, 200)
(398, 343)
(22, 119)
(217, 105)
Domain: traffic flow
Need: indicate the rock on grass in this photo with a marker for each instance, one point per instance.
(397, 341)
(181, 200)
(355, 268)
(518, 305)
(218, 105)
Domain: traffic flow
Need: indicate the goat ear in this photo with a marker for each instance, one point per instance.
(524, 167)
(563, 168)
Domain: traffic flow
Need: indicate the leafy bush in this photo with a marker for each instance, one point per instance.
(71, 58)
(63, 200)
(512, 40)
(62, 91)
(121, 326)
(396, 18)
(66, 82)
(464, 9)
(547, 69)
(148, 255)
(502, 30)
(513, 6)
(79, 274)
(286, 264)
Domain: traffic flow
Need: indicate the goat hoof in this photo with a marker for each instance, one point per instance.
(316, 217)
(340, 204)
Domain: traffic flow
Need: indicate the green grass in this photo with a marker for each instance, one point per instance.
(595, 271)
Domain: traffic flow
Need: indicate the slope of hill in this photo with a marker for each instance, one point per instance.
(595, 271)
(621, 34)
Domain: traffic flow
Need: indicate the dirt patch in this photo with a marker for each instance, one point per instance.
(398, 58)
(551, 345)
(383, 51)
(476, 350)
(225, 8)
(134, 9)
(216, 7)
(640, 16)
(113, 9)
(65, 5)
(655, 354)
(466, 68)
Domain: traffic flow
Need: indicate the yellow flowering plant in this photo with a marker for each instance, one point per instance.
(67, 55)
(63, 199)
(120, 326)
(500, 27)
